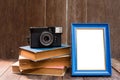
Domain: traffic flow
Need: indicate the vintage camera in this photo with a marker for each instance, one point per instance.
(41, 37)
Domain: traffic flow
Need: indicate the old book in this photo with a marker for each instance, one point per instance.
(52, 71)
(36, 54)
(15, 67)
(25, 63)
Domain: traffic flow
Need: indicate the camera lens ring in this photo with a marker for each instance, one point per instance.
(46, 38)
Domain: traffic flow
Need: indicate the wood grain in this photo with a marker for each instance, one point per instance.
(76, 14)
(6, 73)
(7, 23)
(16, 18)
(115, 76)
(69, 77)
(9, 75)
(106, 11)
(116, 64)
(33, 77)
(56, 15)
(4, 65)
(96, 11)
(113, 18)
(19, 29)
(35, 13)
(12, 22)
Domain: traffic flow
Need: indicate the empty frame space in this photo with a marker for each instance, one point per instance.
(90, 42)
(91, 50)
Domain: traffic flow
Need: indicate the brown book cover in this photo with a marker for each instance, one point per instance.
(52, 71)
(25, 63)
(36, 54)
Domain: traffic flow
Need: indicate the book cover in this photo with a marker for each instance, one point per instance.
(25, 63)
(37, 54)
(52, 71)
(37, 50)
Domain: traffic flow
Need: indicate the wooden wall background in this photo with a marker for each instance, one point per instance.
(16, 16)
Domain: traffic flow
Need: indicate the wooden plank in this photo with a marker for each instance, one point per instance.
(107, 11)
(76, 14)
(12, 27)
(25, 77)
(115, 76)
(2, 22)
(16, 18)
(69, 77)
(27, 13)
(18, 29)
(47, 77)
(96, 11)
(35, 13)
(56, 15)
(6, 31)
(9, 75)
(37, 77)
(116, 64)
(113, 14)
(57, 78)
(4, 66)
(31, 77)
(6, 71)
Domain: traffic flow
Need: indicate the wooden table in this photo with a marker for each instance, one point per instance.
(6, 74)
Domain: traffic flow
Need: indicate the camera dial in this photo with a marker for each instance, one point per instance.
(46, 38)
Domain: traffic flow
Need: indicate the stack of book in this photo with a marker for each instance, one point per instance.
(43, 61)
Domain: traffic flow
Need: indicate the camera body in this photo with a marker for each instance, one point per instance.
(41, 37)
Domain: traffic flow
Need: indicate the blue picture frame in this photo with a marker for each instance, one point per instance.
(107, 57)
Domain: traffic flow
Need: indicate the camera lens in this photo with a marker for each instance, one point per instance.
(46, 38)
